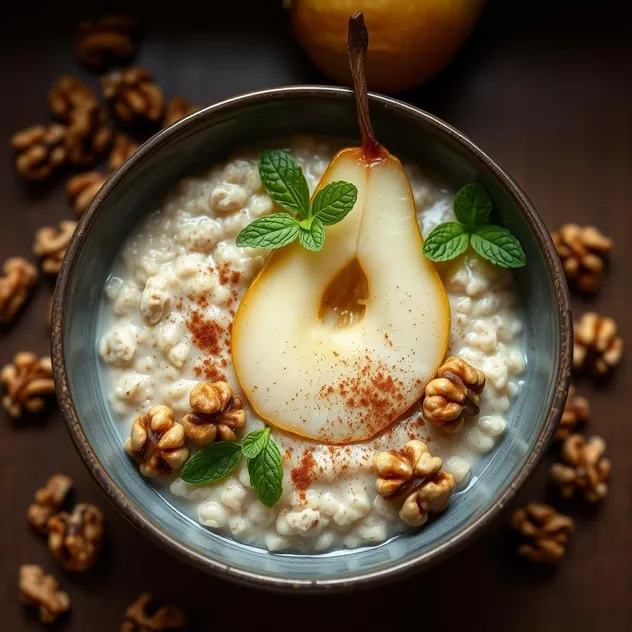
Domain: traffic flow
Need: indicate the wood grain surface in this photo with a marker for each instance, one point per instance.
(546, 89)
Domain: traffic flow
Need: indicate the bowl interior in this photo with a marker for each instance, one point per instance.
(210, 136)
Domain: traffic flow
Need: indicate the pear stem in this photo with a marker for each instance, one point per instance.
(357, 44)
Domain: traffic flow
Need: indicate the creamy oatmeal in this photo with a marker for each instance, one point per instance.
(171, 301)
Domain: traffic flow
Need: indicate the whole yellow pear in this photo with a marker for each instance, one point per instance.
(411, 40)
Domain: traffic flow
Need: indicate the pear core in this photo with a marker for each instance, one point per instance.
(335, 345)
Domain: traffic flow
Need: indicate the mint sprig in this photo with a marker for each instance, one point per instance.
(285, 183)
(264, 460)
(473, 208)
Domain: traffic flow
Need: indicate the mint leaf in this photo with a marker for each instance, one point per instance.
(211, 464)
(446, 242)
(272, 231)
(254, 442)
(284, 181)
(313, 237)
(266, 474)
(472, 205)
(334, 202)
(498, 245)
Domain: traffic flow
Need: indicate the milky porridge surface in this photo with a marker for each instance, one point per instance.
(170, 302)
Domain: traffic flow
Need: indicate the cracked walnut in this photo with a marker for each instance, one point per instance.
(216, 414)
(48, 500)
(27, 381)
(415, 475)
(38, 589)
(157, 442)
(18, 277)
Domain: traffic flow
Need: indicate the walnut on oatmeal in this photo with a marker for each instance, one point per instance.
(157, 442)
(134, 95)
(145, 615)
(18, 277)
(583, 250)
(453, 394)
(414, 474)
(545, 531)
(576, 411)
(111, 38)
(177, 108)
(597, 347)
(75, 538)
(27, 382)
(217, 413)
(583, 468)
(48, 500)
(82, 188)
(41, 150)
(42, 591)
(67, 94)
(50, 245)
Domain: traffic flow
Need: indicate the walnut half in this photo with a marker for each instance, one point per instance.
(216, 414)
(18, 277)
(38, 589)
(144, 615)
(453, 394)
(51, 244)
(157, 442)
(75, 539)
(545, 532)
(415, 475)
(27, 382)
(48, 500)
(583, 468)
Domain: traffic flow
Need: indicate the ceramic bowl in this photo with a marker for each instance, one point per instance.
(209, 136)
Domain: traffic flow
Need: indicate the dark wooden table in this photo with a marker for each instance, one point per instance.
(548, 93)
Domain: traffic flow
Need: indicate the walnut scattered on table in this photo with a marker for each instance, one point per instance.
(582, 469)
(82, 188)
(123, 148)
(576, 411)
(414, 475)
(41, 590)
(545, 531)
(69, 94)
(112, 38)
(28, 381)
(75, 538)
(50, 245)
(89, 135)
(453, 394)
(133, 95)
(48, 500)
(176, 109)
(41, 150)
(157, 442)
(583, 251)
(18, 278)
(146, 615)
(598, 347)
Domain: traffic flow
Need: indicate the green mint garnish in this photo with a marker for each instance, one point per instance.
(212, 464)
(285, 183)
(265, 464)
(266, 474)
(473, 207)
(254, 442)
(272, 231)
(498, 245)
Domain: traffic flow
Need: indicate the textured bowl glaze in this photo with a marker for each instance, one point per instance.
(210, 135)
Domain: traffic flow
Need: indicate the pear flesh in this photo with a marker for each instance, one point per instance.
(335, 345)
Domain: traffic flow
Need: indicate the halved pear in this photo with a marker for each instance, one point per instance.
(335, 345)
